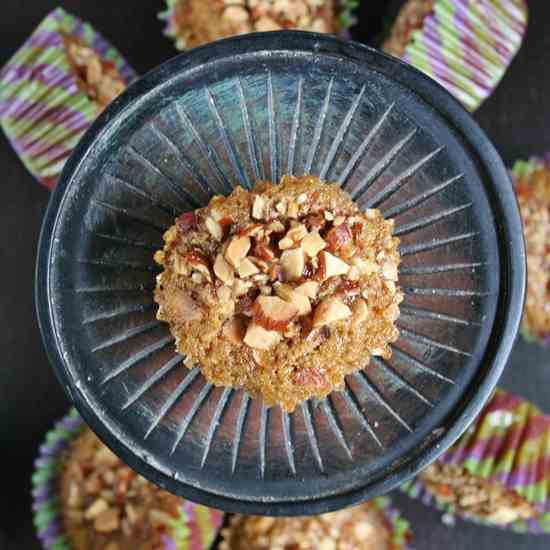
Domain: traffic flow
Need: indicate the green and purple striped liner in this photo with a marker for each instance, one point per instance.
(196, 529)
(346, 19)
(42, 110)
(523, 169)
(467, 45)
(509, 444)
(401, 534)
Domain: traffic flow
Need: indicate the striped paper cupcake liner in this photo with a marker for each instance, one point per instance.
(346, 19)
(509, 444)
(401, 534)
(521, 173)
(196, 529)
(467, 45)
(43, 112)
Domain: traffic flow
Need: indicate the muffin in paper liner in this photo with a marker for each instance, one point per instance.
(44, 110)
(318, 535)
(191, 23)
(195, 529)
(466, 45)
(506, 449)
(532, 182)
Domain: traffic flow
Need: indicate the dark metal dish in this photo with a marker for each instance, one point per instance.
(258, 107)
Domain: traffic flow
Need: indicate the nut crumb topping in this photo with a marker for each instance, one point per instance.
(98, 77)
(361, 528)
(198, 21)
(106, 505)
(295, 288)
(533, 193)
(475, 495)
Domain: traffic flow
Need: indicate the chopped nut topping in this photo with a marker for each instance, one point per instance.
(389, 271)
(214, 228)
(97, 507)
(297, 233)
(97, 77)
(259, 338)
(237, 250)
(286, 243)
(247, 268)
(223, 270)
(293, 210)
(107, 521)
(360, 311)
(298, 299)
(294, 259)
(476, 495)
(309, 289)
(329, 311)
(272, 313)
(120, 516)
(332, 266)
(259, 207)
(313, 243)
(292, 263)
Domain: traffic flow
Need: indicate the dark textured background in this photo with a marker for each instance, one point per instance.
(516, 118)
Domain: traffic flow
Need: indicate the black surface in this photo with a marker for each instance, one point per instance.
(515, 117)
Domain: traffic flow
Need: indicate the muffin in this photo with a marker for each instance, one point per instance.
(466, 45)
(192, 23)
(532, 182)
(85, 497)
(282, 290)
(496, 473)
(54, 87)
(371, 526)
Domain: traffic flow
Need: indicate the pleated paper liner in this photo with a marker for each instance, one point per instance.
(345, 19)
(196, 529)
(508, 445)
(524, 174)
(399, 528)
(43, 112)
(467, 45)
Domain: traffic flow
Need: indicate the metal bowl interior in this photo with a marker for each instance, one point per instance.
(229, 114)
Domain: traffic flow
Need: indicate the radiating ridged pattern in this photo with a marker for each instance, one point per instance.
(237, 132)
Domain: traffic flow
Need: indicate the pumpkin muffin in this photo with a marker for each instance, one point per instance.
(282, 290)
(195, 22)
(107, 506)
(469, 494)
(532, 181)
(370, 526)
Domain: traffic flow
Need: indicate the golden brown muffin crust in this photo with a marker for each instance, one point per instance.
(534, 201)
(98, 78)
(283, 290)
(199, 21)
(475, 495)
(106, 505)
(361, 528)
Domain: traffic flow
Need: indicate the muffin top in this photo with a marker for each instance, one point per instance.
(107, 506)
(361, 528)
(283, 290)
(198, 22)
(98, 78)
(475, 495)
(533, 191)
